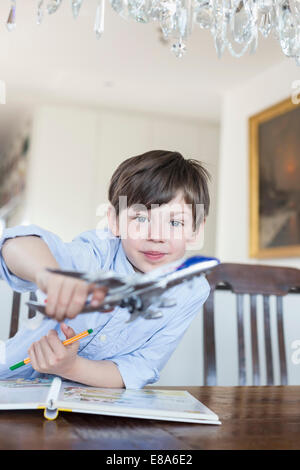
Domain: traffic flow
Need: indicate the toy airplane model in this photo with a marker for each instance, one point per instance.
(141, 294)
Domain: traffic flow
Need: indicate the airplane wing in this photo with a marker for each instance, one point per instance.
(141, 294)
(109, 279)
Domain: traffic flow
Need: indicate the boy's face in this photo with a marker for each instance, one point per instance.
(156, 236)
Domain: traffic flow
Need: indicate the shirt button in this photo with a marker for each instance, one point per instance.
(102, 338)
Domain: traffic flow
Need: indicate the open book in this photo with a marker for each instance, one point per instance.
(54, 395)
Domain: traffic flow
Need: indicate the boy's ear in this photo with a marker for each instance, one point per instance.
(113, 220)
(196, 240)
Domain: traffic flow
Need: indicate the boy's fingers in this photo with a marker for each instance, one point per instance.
(55, 343)
(54, 288)
(32, 355)
(96, 288)
(64, 299)
(47, 351)
(98, 296)
(67, 330)
(78, 299)
(39, 357)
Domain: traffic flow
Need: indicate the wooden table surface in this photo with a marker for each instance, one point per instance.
(252, 418)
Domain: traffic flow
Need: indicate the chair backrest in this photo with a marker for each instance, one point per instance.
(15, 311)
(254, 280)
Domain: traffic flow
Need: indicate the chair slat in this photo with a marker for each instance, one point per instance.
(268, 346)
(15, 311)
(14, 322)
(210, 376)
(31, 312)
(281, 345)
(250, 279)
(241, 344)
(254, 341)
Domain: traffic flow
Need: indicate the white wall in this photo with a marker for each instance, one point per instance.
(108, 138)
(126, 134)
(61, 174)
(232, 232)
(239, 104)
(75, 150)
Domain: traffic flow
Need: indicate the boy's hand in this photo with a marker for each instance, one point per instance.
(50, 356)
(66, 296)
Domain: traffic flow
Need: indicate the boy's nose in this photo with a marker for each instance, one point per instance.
(156, 230)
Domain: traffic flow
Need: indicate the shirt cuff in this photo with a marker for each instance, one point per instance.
(16, 283)
(130, 375)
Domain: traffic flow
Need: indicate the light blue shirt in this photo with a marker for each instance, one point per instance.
(141, 348)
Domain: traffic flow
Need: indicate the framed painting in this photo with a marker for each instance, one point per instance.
(274, 151)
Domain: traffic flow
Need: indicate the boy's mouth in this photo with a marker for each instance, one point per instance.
(154, 254)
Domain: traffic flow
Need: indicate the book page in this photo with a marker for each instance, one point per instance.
(164, 401)
(14, 392)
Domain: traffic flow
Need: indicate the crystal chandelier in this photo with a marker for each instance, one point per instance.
(234, 24)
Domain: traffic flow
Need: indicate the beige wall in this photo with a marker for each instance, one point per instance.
(75, 150)
(265, 90)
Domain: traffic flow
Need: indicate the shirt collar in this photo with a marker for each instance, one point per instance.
(120, 262)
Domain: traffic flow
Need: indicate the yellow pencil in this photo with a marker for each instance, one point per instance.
(65, 343)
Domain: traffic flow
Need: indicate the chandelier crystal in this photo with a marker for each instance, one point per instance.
(234, 24)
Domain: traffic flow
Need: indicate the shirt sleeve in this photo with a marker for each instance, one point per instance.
(142, 367)
(86, 252)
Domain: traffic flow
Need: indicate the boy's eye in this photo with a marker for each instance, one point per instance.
(177, 223)
(141, 217)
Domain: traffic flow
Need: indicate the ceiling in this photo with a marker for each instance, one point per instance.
(129, 67)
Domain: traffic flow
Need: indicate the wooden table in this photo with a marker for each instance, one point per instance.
(252, 418)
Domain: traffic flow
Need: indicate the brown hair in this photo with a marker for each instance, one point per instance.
(156, 176)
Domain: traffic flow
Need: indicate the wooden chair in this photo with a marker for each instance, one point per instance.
(15, 312)
(254, 280)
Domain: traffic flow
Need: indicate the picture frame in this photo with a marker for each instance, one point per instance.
(274, 184)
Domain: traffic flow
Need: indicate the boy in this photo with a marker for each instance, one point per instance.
(139, 238)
